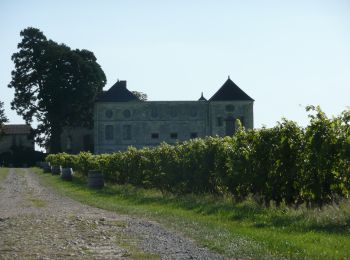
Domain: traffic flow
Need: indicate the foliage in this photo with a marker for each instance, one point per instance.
(54, 84)
(284, 164)
(140, 95)
(3, 118)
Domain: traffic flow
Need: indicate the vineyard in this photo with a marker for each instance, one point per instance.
(283, 164)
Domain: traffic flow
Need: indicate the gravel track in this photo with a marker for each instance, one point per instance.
(38, 223)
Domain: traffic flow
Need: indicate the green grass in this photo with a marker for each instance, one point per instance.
(3, 174)
(244, 230)
(38, 203)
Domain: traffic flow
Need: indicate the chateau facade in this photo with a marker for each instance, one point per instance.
(122, 120)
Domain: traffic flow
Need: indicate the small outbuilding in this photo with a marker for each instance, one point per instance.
(16, 135)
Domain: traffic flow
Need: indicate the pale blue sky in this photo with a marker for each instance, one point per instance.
(284, 54)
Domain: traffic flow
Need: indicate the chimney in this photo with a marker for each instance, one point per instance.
(122, 83)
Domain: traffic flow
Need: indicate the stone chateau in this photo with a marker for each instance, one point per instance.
(122, 120)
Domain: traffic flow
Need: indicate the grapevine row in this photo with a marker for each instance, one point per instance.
(286, 163)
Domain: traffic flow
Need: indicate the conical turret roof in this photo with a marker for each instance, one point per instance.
(230, 92)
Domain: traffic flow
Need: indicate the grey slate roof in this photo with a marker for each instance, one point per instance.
(117, 93)
(17, 129)
(229, 92)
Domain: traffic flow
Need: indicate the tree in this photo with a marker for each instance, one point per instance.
(54, 85)
(3, 118)
(140, 95)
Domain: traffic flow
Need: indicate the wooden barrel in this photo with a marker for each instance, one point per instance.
(95, 179)
(67, 174)
(56, 170)
(46, 167)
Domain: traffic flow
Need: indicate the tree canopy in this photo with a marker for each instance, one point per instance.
(54, 85)
(140, 95)
(3, 118)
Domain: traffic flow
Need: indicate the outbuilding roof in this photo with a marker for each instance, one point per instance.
(117, 93)
(16, 129)
(230, 92)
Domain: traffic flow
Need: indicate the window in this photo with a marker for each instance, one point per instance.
(154, 135)
(242, 120)
(173, 112)
(194, 135)
(173, 135)
(88, 143)
(230, 126)
(109, 113)
(219, 121)
(109, 132)
(14, 140)
(69, 143)
(193, 112)
(126, 113)
(230, 108)
(154, 112)
(127, 132)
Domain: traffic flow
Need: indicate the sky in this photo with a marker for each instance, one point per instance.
(284, 54)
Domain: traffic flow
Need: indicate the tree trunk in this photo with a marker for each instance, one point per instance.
(55, 139)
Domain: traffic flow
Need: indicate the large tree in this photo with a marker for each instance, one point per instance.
(54, 85)
(3, 118)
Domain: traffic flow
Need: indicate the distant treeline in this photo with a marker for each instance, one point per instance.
(286, 163)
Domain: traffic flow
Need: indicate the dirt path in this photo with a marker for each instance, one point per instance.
(37, 223)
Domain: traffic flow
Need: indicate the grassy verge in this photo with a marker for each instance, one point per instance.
(3, 173)
(244, 229)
